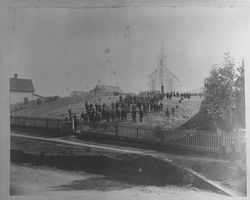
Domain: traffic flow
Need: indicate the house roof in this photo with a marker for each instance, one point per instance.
(36, 95)
(112, 88)
(21, 85)
(107, 88)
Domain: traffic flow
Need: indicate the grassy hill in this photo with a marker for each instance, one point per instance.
(185, 111)
(59, 109)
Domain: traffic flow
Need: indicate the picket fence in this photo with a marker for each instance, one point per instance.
(196, 140)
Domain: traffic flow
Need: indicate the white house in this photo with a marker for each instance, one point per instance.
(162, 79)
(21, 90)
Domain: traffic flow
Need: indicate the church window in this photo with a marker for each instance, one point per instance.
(153, 84)
(161, 76)
(161, 62)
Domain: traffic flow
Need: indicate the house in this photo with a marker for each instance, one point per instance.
(21, 90)
(162, 79)
(77, 93)
(106, 90)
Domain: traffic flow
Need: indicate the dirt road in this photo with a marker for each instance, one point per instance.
(37, 180)
(125, 150)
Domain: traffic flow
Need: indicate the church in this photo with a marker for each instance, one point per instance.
(162, 79)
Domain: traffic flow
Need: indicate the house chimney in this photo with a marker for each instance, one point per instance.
(15, 76)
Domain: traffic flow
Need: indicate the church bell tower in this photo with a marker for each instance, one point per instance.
(161, 65)
(162, 57)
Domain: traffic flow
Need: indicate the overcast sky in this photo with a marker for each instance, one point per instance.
(63, 50)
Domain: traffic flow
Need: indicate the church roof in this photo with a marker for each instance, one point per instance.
(174, 75)
(152, 73)
(160, 58)
(168, 72)
(21, 85)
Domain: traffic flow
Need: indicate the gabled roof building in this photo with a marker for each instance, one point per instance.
(102, 89)
(162, 79)
(21, 90)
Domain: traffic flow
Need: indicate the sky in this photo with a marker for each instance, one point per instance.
(66, 49)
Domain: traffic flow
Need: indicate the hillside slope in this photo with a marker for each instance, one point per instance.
(185, 111)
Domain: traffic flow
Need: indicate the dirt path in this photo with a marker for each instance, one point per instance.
(166, 157)
(74, 141)
(30, 180)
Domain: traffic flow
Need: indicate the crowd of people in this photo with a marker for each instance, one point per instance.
(136, 105)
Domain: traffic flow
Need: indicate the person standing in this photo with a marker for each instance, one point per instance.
(86, 106)
(108, 115)
(141, 115)
(173, 110)
(82, 116)
(233, 150)
(74, 122)
(70, 114)
(113, 115)
(133, 114)
(243, 150)
(167, 112)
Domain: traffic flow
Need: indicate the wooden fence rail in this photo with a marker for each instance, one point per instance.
(196, 140)
(43, 123)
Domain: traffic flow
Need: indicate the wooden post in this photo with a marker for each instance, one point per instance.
(137, 134)
(116, 130)
(58, 125)
(81, 126)
(162, 136)
(73, 124)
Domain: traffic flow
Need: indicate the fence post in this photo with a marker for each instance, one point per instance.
(137, 134)
(24, 121)
(73, 125)
(46, 120)
(11, 119)
(58, 125)
(162, 136)
(35, 122)
(81, 123)
(97, 127)
(116, 130)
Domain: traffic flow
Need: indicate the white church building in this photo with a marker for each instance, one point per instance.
(162, 79)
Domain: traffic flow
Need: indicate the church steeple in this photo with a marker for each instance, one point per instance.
(162, 47)
(162, 58)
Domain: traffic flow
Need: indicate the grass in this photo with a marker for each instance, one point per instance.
(185, 111)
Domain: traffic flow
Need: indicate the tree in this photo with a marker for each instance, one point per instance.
(240, 97)
(224, 103)
(219, 93)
